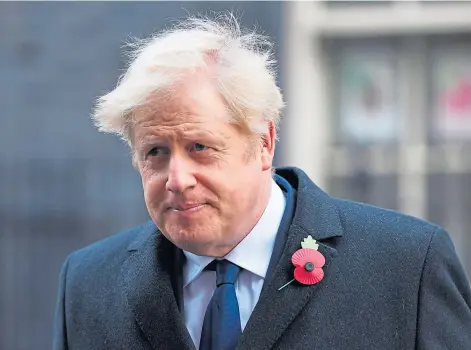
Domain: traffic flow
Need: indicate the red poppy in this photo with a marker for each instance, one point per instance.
(309, 263)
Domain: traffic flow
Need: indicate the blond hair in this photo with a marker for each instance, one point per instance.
(242, 62)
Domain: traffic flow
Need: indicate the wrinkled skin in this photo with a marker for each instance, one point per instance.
(205, 185)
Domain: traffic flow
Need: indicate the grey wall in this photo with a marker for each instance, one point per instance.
(63, 184)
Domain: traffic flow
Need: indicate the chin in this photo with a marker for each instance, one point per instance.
(205, 245)
(191, 240)
(196, 248)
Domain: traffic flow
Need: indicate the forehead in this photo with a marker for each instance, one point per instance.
(195, 105)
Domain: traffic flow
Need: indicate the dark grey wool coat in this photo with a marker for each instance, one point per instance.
(391, 282)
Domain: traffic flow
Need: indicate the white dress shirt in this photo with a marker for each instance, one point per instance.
(252, 254)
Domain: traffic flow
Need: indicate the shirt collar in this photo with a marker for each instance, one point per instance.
(254, 252)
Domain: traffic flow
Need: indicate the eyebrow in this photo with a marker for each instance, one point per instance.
(188, 134)
(200, 134)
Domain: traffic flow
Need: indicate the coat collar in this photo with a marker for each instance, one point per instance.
(315, 214)
(315, 211)
(152, 287)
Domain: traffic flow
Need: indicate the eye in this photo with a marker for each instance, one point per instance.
(198, 147)
(157, 151)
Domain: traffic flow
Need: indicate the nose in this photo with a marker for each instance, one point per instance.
(180, 175)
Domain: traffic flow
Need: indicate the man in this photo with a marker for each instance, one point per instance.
(238, 255)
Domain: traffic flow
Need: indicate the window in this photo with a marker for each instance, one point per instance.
(401, 127)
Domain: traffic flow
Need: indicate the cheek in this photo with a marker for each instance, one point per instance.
(252, 188)
(154, 188)
(239, 197)
(242, 184)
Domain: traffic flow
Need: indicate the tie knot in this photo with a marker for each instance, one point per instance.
(226, 272)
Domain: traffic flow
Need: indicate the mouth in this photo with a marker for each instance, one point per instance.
(186, 208)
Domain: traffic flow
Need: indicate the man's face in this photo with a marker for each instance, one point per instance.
(205, 185)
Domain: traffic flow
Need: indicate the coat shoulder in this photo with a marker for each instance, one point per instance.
(380, 224)
(109, 252)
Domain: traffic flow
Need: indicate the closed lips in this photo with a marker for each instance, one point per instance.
(186, 207)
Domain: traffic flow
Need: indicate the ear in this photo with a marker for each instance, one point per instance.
(268, 147)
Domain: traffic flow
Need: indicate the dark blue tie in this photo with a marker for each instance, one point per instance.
(221, 326)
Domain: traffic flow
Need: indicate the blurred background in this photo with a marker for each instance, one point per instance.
(379, 110)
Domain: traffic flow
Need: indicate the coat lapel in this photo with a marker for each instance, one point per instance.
(152, 289)
(315, 215)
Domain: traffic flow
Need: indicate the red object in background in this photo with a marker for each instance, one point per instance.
(459, 98)
(309, 263)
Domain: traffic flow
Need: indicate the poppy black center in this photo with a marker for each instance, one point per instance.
(309, 266)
